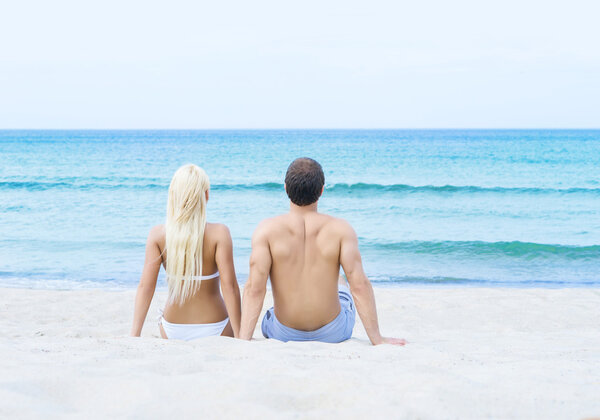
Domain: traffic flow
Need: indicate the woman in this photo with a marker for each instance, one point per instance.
(195, 254)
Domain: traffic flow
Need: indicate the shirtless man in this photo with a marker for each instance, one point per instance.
(302, 252)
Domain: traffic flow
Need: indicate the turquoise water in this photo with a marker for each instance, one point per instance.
(468, 207)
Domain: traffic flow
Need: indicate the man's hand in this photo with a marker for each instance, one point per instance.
(393, 341)
(389, 340)
(361, 288)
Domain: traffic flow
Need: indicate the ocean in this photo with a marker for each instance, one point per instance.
(430, 207)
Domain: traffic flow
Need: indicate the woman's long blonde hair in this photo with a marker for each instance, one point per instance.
(186, 220)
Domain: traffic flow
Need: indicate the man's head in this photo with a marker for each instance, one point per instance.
(304, 181)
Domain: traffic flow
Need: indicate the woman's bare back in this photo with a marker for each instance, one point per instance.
(206, 305)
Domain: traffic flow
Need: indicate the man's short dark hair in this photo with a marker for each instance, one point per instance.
(304, 181)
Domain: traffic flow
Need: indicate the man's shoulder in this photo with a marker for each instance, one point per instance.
(272, 221)
(269, 224)
(336, 223)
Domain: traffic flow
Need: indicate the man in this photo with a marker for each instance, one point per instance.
(302, 252)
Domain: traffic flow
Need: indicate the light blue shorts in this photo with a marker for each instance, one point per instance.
(340, 329)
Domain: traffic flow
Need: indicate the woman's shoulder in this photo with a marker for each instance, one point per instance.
(157, 233)
(217, 231)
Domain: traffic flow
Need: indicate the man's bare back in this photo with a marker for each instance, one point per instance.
(305, 252)
(302, 252)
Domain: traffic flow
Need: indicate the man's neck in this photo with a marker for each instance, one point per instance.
(295, 209)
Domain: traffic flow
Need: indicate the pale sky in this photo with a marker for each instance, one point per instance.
(302, 64)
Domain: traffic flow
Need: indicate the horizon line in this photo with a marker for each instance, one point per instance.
(305, 129)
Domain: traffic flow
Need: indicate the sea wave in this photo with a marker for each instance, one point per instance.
(340, 188)
(452, 281)
(454, 189)
(515, 249)
(62, 185)
(52, 281)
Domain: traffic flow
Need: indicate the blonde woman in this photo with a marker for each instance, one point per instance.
(196, 255)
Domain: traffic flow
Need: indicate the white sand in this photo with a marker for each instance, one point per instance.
(473, 353)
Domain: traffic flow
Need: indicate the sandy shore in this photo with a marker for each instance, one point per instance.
(473, 353)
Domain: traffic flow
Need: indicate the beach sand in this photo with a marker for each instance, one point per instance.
(473, 353)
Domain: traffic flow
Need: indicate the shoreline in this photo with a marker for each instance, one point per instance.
(376, 285)
(472, 353)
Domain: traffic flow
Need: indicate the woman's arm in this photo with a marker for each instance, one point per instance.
(147, 285)
(229, 284)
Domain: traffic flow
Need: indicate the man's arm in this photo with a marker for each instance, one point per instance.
(361, 288)
(229, 284)
(256, 286)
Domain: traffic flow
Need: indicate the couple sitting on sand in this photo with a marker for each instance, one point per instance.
(300, 251)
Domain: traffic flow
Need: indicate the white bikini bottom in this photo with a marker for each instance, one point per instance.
(189, 332)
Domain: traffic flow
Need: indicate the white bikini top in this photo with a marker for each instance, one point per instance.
(209, 277)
